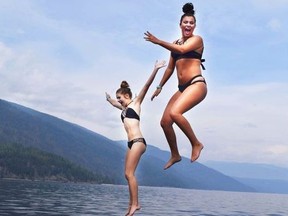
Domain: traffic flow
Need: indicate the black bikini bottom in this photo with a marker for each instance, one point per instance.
(130, 143)
(190, 82)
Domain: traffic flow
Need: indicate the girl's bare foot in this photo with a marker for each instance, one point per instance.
(172, 161)
(196, 150)
(133, 209)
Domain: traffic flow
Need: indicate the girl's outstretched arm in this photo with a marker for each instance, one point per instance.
(113, 102)
(148, 83)
(167, 74)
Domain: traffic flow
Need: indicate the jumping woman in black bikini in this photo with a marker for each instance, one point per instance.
(186, 57)
(136, 142)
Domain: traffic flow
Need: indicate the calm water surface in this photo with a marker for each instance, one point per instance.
(52, 198)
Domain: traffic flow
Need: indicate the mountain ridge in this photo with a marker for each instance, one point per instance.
(103, 156)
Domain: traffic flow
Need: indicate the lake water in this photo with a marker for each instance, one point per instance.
(70, 199)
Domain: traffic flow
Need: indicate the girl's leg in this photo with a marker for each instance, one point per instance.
(193, 95)
(167, 126)
(132, 160)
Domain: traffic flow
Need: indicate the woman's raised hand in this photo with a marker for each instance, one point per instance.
(150, 37)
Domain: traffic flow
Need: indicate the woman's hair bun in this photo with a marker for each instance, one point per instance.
(124, 84)
(188, 8)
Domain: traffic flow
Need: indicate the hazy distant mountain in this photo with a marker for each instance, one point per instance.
(101, 155)
(263, 177)
(249, 170)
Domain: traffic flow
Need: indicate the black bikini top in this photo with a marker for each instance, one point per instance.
(129, 113)
(191, 54)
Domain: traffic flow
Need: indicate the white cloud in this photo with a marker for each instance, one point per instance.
(242, 121)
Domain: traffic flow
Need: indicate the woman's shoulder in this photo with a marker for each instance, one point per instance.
(196, 40)
(196, 37)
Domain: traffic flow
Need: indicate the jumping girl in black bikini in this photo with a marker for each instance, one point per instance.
(131, 120)
(186, 57)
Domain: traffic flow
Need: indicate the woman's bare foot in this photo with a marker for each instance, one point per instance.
(133, 209)
(172, 161)
(196, 150)
(128, 210)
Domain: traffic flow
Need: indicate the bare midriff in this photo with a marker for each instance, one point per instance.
(132, 128)
(186, 69)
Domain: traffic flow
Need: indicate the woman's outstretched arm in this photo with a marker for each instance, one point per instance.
(192, 43)
(148, 83)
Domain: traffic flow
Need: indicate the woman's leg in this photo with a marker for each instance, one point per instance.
(167, 126)
(132, 159)
(192, 95)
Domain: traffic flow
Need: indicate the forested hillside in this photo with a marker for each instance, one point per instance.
(17, 161)
(98, 154)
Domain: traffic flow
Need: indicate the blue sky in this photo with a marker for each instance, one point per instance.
(59, 57)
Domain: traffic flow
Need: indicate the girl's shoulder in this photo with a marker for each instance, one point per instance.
(135, 101)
